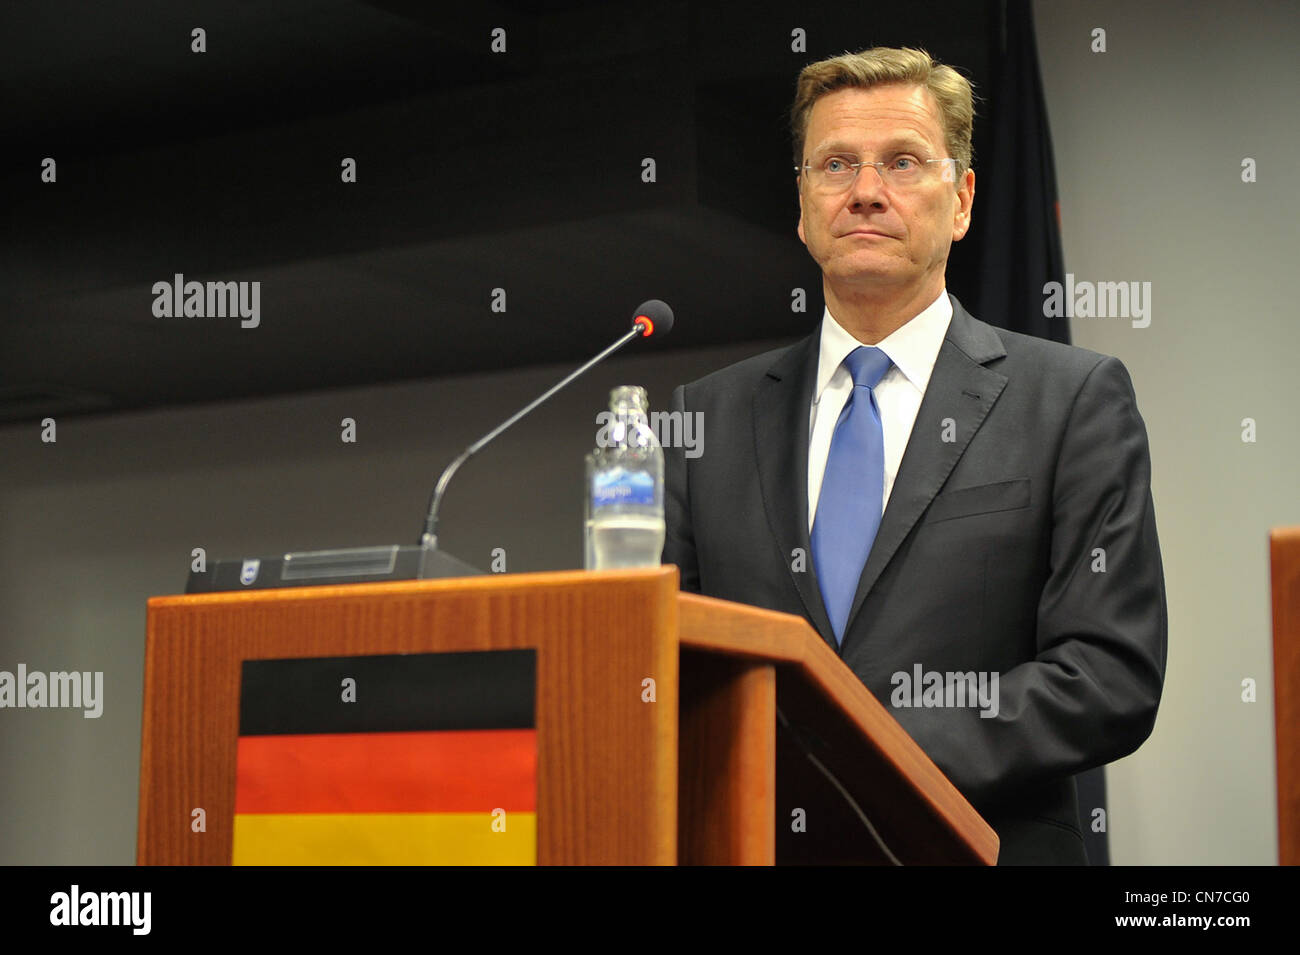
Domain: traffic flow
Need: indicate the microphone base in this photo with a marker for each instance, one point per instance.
(353, 565)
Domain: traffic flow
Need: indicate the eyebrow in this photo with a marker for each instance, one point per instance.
(913, 143)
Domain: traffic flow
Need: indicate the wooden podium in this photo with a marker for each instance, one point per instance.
(759, 746)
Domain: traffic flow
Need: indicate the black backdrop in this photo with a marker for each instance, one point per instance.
(475, 170)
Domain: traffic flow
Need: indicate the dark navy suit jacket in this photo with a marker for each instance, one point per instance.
(1019, 538)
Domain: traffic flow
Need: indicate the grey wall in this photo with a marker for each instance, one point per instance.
(1149, 138)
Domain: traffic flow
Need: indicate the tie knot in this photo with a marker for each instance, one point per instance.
(867, 364)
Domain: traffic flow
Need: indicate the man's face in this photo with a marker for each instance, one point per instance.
(873, 234)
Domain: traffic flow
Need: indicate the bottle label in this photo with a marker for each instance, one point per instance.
(619, 486)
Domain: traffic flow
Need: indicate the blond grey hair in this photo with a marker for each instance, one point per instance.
(884, 65)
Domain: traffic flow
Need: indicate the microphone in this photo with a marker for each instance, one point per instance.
(652, 317)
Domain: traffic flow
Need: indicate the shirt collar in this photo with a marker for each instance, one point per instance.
(913, 347)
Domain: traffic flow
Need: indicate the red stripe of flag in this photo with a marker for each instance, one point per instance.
(444, 771)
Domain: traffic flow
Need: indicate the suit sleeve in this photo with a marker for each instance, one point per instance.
(679, 536)
(1091, 693)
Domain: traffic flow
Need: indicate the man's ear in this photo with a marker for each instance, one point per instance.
(965, 199)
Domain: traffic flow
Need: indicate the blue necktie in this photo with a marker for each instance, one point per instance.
(848, 507)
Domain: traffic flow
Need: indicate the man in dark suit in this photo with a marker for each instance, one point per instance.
(935, 495)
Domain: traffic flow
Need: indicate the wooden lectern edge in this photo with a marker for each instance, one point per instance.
(530, 579)
(767, 635)
(1284, 585)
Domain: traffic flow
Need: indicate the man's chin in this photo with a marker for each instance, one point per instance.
(857, 271)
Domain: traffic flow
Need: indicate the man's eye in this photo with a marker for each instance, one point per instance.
(905, 164)
(835, 165)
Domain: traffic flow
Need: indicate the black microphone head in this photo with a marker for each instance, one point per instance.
(654, 317)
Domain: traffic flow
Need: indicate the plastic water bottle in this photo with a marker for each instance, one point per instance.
(625, 486)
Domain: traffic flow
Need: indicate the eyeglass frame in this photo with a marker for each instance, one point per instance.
(878, 166)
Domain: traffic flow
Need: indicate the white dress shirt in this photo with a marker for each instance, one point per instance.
(913, 349)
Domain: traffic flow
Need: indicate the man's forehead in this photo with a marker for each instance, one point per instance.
(894, 112)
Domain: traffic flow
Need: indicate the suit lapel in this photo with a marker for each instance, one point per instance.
(782, 404)
(961, 389)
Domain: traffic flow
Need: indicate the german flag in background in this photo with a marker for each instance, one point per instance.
(388, 760)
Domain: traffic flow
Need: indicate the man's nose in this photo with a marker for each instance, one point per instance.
(868, 187)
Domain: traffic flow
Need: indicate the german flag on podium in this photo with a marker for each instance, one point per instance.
(417, 759)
